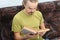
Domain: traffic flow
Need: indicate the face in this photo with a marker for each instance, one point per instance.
(30, 7)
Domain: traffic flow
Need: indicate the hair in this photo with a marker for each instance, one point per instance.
(25, 1)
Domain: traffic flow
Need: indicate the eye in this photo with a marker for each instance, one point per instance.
(30, 8)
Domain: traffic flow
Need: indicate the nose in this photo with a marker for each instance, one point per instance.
(32, 10)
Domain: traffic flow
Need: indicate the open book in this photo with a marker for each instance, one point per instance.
(26, 30)
(43, 30)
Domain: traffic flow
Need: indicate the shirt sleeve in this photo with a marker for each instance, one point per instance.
(41, 18)
(16, 25)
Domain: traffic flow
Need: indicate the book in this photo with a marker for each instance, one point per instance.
(27, 30)
(44, 30)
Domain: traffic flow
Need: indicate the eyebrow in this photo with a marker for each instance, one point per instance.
(31, 8)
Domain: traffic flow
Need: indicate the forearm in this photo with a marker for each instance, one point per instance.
(42, 26)
(17, 36)
(21, 38)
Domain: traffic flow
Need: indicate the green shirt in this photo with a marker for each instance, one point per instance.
(21, 19)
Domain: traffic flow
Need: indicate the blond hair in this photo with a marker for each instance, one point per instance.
(25, 1)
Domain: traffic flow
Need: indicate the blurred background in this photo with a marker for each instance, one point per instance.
(7, 3)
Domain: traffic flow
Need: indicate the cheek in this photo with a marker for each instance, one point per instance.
(34, 9)
(28, 10)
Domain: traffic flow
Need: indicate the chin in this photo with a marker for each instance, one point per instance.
(31, 13)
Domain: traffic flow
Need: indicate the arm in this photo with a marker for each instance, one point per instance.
(17, 36)
(43, 30)
(16, 28)
(42, 26)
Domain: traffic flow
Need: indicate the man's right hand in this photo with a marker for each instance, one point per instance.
(26, 36)
(30, 36)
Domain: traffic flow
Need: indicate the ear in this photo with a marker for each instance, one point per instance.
(23, 4)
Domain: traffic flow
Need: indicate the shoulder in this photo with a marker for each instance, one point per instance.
(18, 14)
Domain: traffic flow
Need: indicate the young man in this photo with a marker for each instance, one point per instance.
(28, 17)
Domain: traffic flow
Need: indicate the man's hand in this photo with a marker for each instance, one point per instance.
(31, 35)
(26, 36)
(43, 31)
